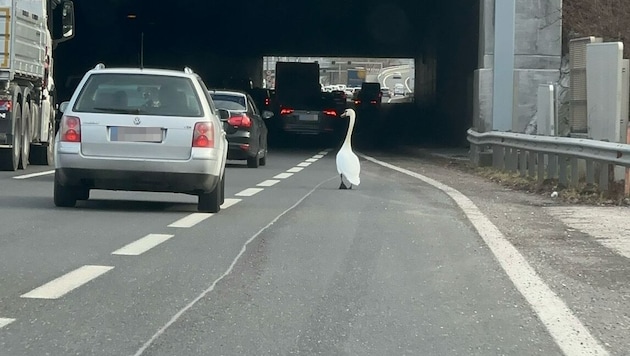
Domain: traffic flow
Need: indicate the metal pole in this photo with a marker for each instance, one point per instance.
(142, 50)
(503, 86)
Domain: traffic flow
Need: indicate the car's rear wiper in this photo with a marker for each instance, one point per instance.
(122, 111)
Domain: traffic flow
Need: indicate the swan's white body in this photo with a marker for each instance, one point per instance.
(348, 165)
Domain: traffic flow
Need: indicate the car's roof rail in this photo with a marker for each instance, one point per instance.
(187, 70)
(99, 66)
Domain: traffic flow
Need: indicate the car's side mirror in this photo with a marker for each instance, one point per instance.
(267, 114)
(63, 106)
(224, 114)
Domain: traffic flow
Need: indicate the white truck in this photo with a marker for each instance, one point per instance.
(29, 31)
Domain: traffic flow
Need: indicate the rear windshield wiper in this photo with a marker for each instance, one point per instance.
(121, 111)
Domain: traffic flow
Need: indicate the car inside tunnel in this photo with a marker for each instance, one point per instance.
(222, 41)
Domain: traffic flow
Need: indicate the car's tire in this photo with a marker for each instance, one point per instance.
(64, 196)
(223, 188)
(253, 162)
(210, 202)
(263, 160)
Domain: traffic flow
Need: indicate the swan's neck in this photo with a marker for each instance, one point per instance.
(347, 141)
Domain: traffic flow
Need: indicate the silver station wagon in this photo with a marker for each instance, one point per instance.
(135, 129)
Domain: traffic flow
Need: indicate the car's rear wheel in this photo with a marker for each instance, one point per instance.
(211, 202)
(64, 196)
(223, 188)
(263, 160)
(253, 162)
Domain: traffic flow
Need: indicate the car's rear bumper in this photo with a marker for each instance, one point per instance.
(170, 182)
(324, 124)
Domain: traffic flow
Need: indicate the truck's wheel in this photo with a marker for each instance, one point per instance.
(64, 196)
(26, 137)
(10, 157)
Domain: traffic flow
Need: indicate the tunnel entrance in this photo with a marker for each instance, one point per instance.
(219, 39)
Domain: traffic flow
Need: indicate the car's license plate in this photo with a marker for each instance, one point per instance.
(136, 134)
(308, 117)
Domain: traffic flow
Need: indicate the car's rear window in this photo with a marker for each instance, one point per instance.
(140, 94)
(229, 102)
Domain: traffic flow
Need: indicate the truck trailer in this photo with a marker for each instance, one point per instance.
(29, 30)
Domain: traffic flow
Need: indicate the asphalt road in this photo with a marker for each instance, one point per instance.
(292, 266)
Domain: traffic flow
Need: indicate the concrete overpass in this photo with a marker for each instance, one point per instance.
(451, 42)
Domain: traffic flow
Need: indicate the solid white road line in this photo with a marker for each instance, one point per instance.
(249, 192)
(39, 174)
(66, 283)
(268, 183)
(190, 220)
(229, 202)
(203, 294)
(295, 169)
(304, 164)
(312, 160)
(565, 328)
(5, 321)
(143, 245)
(283, 175)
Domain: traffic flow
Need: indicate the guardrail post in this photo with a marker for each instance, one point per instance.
(522, 162)
(603, 176)
(552, 166)
(498, 159)
(531, 163)
(541, 167)
(575, 175)
(511, 160)
(590, 172)
(562, 171)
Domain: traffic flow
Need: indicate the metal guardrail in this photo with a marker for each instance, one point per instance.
(571, 160)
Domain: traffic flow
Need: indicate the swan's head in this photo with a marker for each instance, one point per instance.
(348, 112)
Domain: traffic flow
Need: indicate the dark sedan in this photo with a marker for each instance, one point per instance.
(245, 129)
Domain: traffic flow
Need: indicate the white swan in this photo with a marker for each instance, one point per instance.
(348, 165)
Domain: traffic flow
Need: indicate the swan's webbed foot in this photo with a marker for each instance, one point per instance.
(342, 186)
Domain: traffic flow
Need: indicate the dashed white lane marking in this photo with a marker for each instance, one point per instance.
(295, 169)
(190, 220)
(318, 156)
(565, 328)
(304, 164)
(203, 294)
(311, 160)
(32, 175)
(608, 225)
(67, 283)
(249, 192)
(5, 321)
(229, 202)
(268, 183)
(142, 245)
(283, 175)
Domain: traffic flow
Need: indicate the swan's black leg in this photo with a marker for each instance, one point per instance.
(342, 186)
(350, 186)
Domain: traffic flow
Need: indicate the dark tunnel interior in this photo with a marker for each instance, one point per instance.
(220, 39)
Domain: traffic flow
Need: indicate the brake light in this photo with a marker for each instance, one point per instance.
(286, 111)
(373, 101)
(70, 129)
(330, 112)
(240, 121)
(266, 101)
(357, 101)
(203, 136)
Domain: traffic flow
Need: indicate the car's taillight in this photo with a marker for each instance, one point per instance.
(286, 111)
(357, 101)
(373, 101)
(203, 136)
(240, 120)
(266, 101)
(70, 129)
(330, 112)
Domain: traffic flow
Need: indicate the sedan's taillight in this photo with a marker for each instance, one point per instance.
(70, 129)
(240, 120)
(330, 112)
(286, 111)
(203, 136)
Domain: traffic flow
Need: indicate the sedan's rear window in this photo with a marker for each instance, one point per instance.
(139, 94)
(229, 102)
